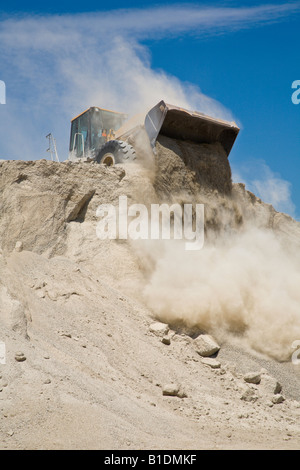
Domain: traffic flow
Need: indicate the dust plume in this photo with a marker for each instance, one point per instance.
(67, 64)
(246, 278)
(245, 284)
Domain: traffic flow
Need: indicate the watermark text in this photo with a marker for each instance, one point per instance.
(158, 221)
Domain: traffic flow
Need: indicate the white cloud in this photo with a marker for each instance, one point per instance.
(151, 22)
(56, 66)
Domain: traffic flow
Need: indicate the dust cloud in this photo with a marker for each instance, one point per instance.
(245, 284)
(246, 278)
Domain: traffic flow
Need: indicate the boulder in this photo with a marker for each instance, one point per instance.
(159, 329)
(277, 399)
(166, 340)
(269, 384)
(252, 378)
(170, 390)
(205, 345)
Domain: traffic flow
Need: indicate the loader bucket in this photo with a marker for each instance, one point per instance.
(178, 123)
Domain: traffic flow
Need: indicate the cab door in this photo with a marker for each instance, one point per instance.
(80, 136)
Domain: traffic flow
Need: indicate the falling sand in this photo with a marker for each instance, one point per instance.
(245, 280)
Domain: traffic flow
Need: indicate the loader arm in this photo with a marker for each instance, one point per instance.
(179, 123)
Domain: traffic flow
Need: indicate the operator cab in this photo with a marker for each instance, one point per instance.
(91, 129)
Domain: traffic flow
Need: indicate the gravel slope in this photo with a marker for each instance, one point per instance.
(92, 373)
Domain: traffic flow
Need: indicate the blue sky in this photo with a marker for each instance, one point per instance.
(236, 60)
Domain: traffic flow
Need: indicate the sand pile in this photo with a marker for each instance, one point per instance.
(85, 369)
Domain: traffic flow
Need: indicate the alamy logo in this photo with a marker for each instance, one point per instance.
(160, 221)
(2, 92)
(296, 94)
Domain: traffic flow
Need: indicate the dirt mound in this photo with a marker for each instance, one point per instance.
(93, 373)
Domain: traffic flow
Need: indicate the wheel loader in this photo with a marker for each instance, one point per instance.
(106, 137)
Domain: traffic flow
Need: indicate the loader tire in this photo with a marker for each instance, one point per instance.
(115, 151)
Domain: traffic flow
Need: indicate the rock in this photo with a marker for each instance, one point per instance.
(205, 345)
(269, 384)
(159, 329)
(252, 378)
(19, 246)
(277, 399)
(47, 381)
(166, 340)
(173, 390)
(170, 390)
(20, 357)
(213, 363)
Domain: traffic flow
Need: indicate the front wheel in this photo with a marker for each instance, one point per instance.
(115, 151)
